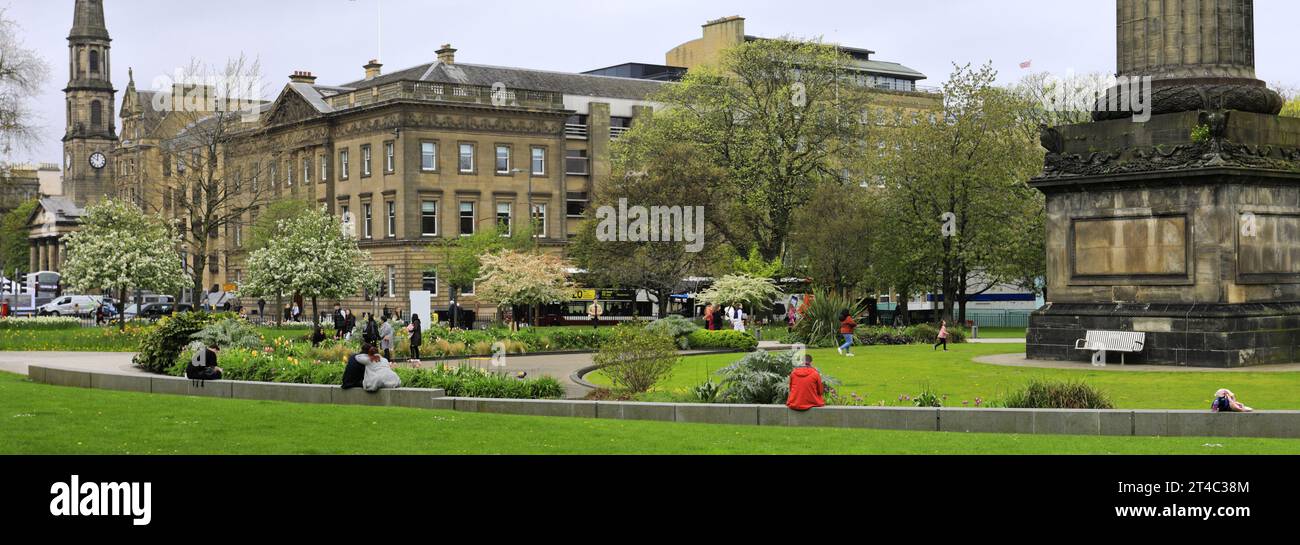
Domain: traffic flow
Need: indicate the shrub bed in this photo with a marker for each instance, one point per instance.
(162, 344)
(274, 364)
(727, 339)
(1057, 394)
(916, 334)
(40, 323)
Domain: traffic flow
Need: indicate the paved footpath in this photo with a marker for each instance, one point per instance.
(109, 362)
(1019, 360)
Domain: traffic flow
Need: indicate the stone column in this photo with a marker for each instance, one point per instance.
(43, 264)
(56, 254)
(34, 260)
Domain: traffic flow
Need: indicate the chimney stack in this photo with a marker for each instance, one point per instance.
(447, 55)
(373, 69)
(302, 76)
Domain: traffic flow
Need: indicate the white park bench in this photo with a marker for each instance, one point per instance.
(1101, 342)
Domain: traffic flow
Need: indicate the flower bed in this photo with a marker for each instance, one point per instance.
(40, 323)
(291, 363)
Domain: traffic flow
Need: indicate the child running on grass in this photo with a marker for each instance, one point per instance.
(847, 326)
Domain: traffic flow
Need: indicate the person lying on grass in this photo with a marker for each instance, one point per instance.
(1226, 402)
(379, 372)
(805, 387)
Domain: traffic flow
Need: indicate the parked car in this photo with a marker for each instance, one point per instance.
(133, 309)
(71, 305)
(154, 311)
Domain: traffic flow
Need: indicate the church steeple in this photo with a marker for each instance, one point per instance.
(88, 20)
(91, 132)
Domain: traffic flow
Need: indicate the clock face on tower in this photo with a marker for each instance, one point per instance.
(97, 160)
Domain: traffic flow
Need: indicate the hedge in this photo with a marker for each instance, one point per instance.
(725, 339)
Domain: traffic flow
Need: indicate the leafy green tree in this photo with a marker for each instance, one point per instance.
(519, 278)
(755, 265)
(833, 237)
(270, 222)
(14, 247)
(120, 248)
(961, 216)
(458, 260)
(775, 116)
(667, 176)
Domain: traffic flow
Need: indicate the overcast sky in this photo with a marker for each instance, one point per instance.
(334, 38)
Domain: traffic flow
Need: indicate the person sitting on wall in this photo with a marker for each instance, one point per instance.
(379, 372)
(354, 373)
(204, 365)
(805, 387)
(1226, 402)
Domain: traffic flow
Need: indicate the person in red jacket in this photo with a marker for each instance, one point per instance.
(805, 387)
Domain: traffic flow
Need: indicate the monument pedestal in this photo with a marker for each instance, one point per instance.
(1186, 227)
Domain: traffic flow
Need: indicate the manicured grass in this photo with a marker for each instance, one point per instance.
(882, 373)
(41, 419)
(101, 339)
(1002, 332)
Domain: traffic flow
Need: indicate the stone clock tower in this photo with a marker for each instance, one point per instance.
(90, 135)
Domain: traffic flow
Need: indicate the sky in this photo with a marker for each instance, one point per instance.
(334, 38)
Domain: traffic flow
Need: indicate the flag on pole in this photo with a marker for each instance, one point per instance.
(1025, 65)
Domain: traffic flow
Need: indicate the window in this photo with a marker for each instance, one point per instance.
(256, 168)
(575, 162)
(345, 213)
(324, 168)
(239, 235)
(365, 161)
(503, 218)
(306, 170)
(392, 280)
(576, 205)
(468, 290)
(390, 163)
(467, 158)
(94, 61)
(503, 159)
(368, 211)
(429, 282)
(466, 218)
(429, 156)
(539, 161)
(275, 171)
(429, 218)
(180, 164)
(343, 164)
(167, 165)
(392, 219)
(96, 114)
(539, 219)
(288, 173)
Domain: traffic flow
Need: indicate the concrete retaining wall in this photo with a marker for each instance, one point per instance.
(1275, 424)
(267, 391)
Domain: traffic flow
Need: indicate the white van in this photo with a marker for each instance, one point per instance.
(70, 305)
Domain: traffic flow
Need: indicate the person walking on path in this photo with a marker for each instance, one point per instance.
(417, 337)
(371, 334)
(261, 309)
(943, 336)
(349, 324)
(709, 317)
(337, 318)
(386, 338)
(847, 326)
(737, 316)
(806, 388)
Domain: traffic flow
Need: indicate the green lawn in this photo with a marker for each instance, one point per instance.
(41, 419)
(1002, 332)
(884, 372)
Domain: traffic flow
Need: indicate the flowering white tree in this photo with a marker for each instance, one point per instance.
(754, 293)
(120, 248)
(313, 259)
(521, 278)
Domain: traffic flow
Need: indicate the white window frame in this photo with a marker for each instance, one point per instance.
(460, 158)
(391, 221)
(343, 164)
(432, 157)
(460, 218)
(368, 209)
(367, 160)
(423, 215)
(390, 157)
(510, 217)
(538, 221)
(497, 159)
(533, 159)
